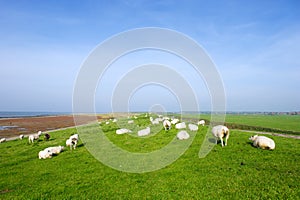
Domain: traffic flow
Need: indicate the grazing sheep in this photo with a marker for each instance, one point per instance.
(201, 122)
(220, 132)
(2, 140)
(21, 137)
(114, 120)
(47, 136)
(180, 125)
(174, 121)
(144, 132)
(55, 150)
(106, 122)
(193, 127)
(167, 125)
(262, 142)
(33, 137)
(130, 122)
(122, 131)
(45, 154)
(183, 135)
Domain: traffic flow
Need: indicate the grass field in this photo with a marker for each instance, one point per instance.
(238, 171)
(280, 122)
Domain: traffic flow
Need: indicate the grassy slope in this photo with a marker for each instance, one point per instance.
(281, 122)
(237, 171)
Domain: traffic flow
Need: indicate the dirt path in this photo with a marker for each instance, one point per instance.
(274, 134)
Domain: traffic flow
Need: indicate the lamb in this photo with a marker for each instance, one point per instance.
(183, 135)
(144, 132)
(201, 122)
(122, 131)
(220, 132)
(45, 154)
(54, 150)
(2, 140)
(75, 136)
(21, 137)
(193, 127)
(167, 125)
(263, 142)
(180, 125)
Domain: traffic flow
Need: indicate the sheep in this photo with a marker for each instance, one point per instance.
(122, 131)
(21, 137)
(174, 121)
(114, 120)
(75, 136)
(151, 119)
(72, 141)
(144, 132)
(47, 136)
(183, 135)
(201, 122)
(167, 125)
(220, 132)
(130, 122)
(45, 154)
(156, 121)
(39, 133)
(55, 150)
(33, 137)
(106, 122)
(2, 140)
(180, 125)
(263, 142)
(193, 127)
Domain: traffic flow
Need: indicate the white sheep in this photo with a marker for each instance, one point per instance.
(167, 125)
(114, 120)
(106, 122)
(39, 133)
(130, 122)
(2, 140)
(174, 121)
(220, 132)
(156, 121)
(72, 141)
(45, 154)
(180, 125)
(144, 132)
(193, 127)
(183, 135)
(262, 142)
(33, 137)
(74, 137)
(201, 122)
(21, 137)
(54, 150)
(122, 131)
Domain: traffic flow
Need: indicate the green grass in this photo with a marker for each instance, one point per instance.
(238, 171)
(280, 122)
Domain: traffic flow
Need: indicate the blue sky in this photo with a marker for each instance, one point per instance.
(254, 44)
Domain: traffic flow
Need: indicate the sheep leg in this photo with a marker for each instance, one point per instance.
(222, 141)
(226, 141)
